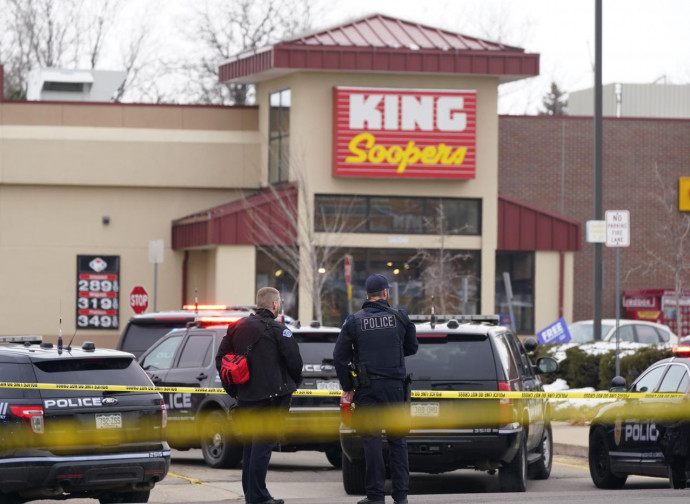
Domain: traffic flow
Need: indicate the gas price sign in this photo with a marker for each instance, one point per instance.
(98, 292)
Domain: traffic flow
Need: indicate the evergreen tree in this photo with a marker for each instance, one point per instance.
(555, 102)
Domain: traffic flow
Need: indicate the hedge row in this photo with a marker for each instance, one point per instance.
(581, 369)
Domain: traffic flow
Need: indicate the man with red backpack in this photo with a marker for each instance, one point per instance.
(275, 372)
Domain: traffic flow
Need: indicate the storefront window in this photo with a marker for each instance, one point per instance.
(279, 136)
(452, 278)
(520, 266)
(391, 214)
(270, 274)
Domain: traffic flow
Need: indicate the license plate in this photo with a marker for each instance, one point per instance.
(109, 421)
(328, 385)
(425, 409)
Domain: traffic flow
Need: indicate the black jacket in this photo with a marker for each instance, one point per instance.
(275, 364)
(377, 339)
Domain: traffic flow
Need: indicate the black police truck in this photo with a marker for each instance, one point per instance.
(58, 443)
(508, 436)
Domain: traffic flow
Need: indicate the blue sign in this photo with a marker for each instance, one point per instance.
(555, 333)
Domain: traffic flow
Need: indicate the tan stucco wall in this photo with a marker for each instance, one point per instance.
(546, 288)
(235, 274)
(311, 118)
(65, 166)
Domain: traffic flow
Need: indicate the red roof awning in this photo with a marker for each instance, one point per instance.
(256, 220)
(380, 43)
(524, 227)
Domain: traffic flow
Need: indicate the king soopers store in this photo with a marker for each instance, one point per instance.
(376, 140)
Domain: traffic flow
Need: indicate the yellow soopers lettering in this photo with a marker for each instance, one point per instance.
(364, 148)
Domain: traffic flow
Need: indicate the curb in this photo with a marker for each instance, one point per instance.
(570, 450)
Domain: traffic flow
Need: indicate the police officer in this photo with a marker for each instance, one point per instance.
(275, 372)
(376, 340)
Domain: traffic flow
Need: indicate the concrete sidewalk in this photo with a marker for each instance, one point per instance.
(572, 440)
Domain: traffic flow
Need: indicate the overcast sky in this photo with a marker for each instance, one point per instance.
(643, 40)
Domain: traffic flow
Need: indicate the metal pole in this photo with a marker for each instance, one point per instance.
(155, 287)
(618, 311)
(598, 213)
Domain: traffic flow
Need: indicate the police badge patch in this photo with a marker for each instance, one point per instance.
(287, 333)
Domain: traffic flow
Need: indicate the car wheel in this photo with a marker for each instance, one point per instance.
(676, 474)
(219, 452)
(354, 477)
(512, 477)
(541, 469)
(600, 462)
(118, 497)
(334, 454)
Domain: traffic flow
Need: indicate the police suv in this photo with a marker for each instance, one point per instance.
(468, 353)
(62, 442)
(186, 358)
(636, 435)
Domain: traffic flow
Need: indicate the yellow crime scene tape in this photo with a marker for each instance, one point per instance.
(418, 394)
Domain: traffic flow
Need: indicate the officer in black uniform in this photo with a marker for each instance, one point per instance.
(376, 340)
(275, 372)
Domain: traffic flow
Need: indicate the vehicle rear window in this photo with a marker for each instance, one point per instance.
(138, 338)
(92, 371)
(452, 357)
(315, 347)
(18, 373)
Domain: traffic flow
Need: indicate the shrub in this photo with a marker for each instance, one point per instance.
(631, 366)
(579, 368)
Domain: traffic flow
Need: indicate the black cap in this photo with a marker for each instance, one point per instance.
(376, 283)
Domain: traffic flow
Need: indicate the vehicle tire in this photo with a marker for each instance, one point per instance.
(512, 477)
(600, 462)
(541, 469)
(334, 454)
(677, 477)
(118, 497)
(354, 477)
(216, 445)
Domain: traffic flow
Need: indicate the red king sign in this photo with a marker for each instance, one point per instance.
(404, 133)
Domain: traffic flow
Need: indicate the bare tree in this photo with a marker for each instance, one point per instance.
(223, 29)
(303, 238)
(64, 34)
(442, 272)
(670, 255)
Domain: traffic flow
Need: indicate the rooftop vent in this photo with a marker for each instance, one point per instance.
(57, 84)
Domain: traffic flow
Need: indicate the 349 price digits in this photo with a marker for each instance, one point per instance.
(104, 321)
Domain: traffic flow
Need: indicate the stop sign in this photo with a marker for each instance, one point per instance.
(347, 265)
(138, 299)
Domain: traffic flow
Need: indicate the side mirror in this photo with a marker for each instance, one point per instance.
(547, 365)
(530, 344)
(618, 384)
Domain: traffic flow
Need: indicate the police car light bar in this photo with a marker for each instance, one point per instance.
(489, 319)
(206, 321)
(191, 307)
(682, 351)
(21, 339)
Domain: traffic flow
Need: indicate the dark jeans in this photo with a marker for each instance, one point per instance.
(383, 393)
(258, 447)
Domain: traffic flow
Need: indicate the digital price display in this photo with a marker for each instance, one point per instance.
(98, 292)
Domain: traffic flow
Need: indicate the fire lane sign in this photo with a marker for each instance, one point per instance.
(617, 228)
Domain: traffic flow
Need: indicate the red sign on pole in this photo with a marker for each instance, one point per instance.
(138, 299)
(347, 265)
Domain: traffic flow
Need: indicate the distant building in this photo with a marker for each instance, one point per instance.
(670, 101)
